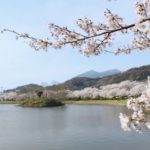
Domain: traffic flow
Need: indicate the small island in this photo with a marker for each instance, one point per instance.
(41, 102)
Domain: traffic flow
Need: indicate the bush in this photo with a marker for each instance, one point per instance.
(40, 102)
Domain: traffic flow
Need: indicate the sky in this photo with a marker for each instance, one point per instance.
(21, 65)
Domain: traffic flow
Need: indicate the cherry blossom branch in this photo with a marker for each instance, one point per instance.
(48, 43)
(97, 37)
(109, 31)
(23, 35)
(66, 29)
(35, 43)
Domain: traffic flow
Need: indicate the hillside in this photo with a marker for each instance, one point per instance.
(26, 88)
(134, 74)
(78, 83)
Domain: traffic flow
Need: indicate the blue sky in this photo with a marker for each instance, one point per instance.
(20, 64)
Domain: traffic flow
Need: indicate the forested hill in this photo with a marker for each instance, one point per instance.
(78, 83)
(134, 74)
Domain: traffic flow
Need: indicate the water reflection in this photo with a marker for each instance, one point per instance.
(69, 127)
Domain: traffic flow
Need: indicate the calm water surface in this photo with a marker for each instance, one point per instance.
(71, 127)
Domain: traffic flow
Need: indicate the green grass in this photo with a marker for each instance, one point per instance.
(97, 102)
(8, 102)
(41, 103)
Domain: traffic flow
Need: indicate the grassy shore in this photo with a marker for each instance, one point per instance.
(82, 102)
(8, 102)
(97, 102)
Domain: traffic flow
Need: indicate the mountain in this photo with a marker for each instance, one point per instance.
(78, 83)
(95, 74)
(134, 74)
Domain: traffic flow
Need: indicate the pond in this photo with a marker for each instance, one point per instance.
(70, 127)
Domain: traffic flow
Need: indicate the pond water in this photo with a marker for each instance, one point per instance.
(71, 127)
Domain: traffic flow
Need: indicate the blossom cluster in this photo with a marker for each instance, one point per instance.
(124, 89)
(94, 38)
(141, 29)
(137, 120)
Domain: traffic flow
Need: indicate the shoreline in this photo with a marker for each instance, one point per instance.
(83, 102)
(97, 102)
(8, 102)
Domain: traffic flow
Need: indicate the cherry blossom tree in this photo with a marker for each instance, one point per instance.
(95, 38)
(123, 89)
(139, 106)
